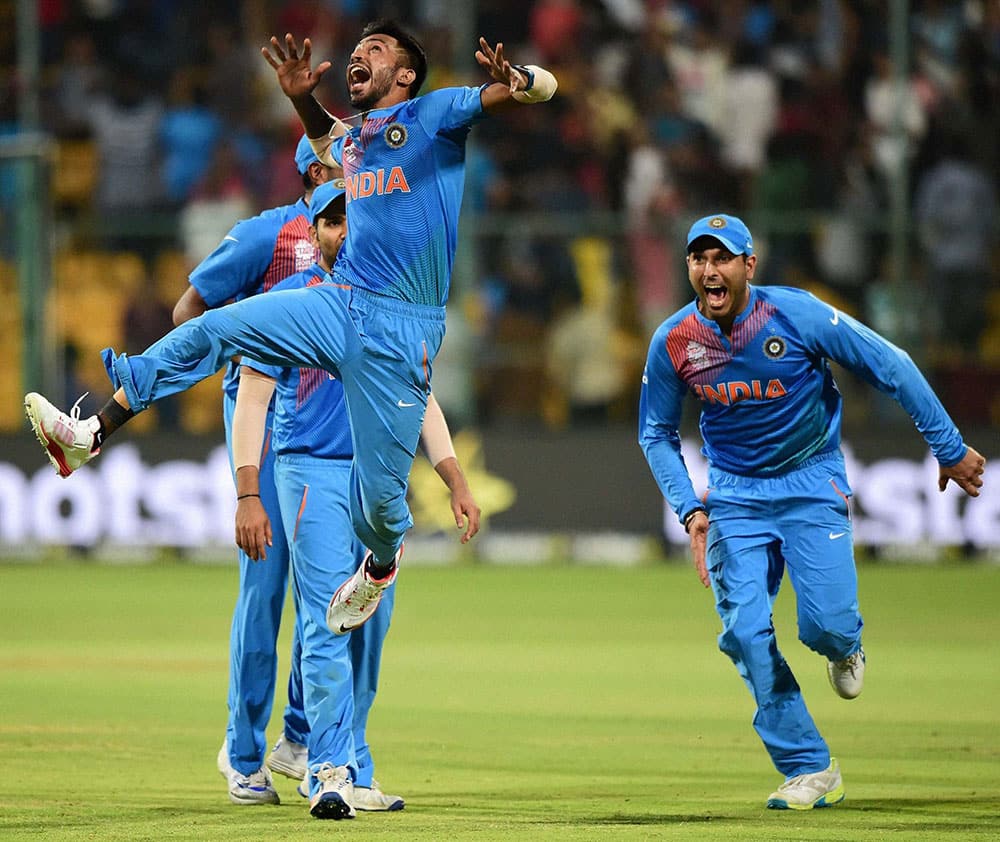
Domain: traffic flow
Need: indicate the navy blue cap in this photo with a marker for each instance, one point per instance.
(323, 195)
(728, 230)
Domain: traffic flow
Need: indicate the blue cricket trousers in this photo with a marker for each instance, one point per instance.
(253, 659)
(339, 673)
(757, 528)
(381, 349)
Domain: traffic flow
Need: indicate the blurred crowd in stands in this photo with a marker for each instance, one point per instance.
(170, 127)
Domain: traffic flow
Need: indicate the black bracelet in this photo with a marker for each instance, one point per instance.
(690, 517)
(244, 496)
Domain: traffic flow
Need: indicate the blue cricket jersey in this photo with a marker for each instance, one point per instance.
(404, 172)
(255, 255)
(768, 397)
(310, 413)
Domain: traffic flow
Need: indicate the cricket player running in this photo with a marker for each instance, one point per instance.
(379, 326)
(757, 359)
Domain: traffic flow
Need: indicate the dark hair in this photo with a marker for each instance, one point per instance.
(410, 45)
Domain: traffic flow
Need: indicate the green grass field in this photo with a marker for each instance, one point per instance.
(516, 703)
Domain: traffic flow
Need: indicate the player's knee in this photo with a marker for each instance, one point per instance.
(388, 515)
(737, 643)
(829, 636)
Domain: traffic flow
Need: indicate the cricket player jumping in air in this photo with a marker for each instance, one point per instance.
(757, 359)
(379, 324)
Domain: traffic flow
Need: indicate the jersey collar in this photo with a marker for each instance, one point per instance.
(751, 301)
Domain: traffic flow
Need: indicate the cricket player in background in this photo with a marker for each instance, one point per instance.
(757, 359)
(255, 255)
(310, 440)
(379, 326)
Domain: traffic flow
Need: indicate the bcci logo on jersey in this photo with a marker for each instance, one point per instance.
(774, 347)
(395, 135)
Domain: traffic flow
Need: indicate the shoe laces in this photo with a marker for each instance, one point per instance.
(260, 778)
(850, 663)
(367, 589)
(74, 410)
(791, 783)
(326, 772)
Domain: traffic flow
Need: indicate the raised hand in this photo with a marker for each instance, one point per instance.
(492, 60)
(296, 77)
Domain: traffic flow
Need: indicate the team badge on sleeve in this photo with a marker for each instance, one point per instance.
(774, 347)
(395, 135)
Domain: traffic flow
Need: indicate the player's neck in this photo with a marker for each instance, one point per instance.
(390, 100)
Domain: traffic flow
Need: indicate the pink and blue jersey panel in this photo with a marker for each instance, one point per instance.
(255, 255)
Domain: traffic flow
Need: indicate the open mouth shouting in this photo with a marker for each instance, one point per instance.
(357, 77)
(716, 296)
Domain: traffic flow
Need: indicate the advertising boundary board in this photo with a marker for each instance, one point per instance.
(176, 491)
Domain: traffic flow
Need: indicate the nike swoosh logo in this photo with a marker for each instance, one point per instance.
(835, 535)
(836, 318)
(231, 239)
(403, 404)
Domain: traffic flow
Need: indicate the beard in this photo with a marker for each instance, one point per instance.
(378, 88)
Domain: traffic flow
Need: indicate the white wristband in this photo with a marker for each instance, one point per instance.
(541, 85)
(250, 417)
(321, 147)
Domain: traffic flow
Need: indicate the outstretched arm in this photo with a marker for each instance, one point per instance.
(516, 83)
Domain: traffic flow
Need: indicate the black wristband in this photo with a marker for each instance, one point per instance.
(529, 75)
(690, 517)
(244, 496)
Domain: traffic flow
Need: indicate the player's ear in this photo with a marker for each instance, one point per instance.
(314, 236)
(405, 76)
(317, 172)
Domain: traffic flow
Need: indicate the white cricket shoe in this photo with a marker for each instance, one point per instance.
(371, 799)
(334, 799)
(289, 758)
(355, 601)
(68, 440)
(804, 792)
(246, 790)
(847, 677)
